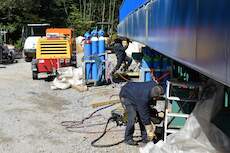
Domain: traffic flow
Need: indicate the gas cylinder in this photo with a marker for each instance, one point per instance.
(94, 41)
(101, 44)
(87, 54)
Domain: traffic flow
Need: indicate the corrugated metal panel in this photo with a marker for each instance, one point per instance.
(140, 27)
(129, 6)
(193, 32)
(213, 38)
(228, 65)
(171, 30)
(228, 61)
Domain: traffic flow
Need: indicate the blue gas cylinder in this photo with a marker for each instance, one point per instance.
(87, 54)
(87, 46)
(94, 41)
(101, 44)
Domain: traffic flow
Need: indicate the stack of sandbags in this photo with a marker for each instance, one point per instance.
(69, 77)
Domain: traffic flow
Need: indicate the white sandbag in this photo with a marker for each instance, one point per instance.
(60, 84)
(65, 72)
(67, 77)
(77, 73)
(77, 77)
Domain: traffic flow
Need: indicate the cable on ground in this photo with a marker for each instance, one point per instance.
(78, 124)
(104, 132)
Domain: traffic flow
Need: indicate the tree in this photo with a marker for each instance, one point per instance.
(80, 14)
(80, 23)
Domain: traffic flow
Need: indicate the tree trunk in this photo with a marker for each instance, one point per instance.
(110, 13)
(114, 6)
(90, 11)
(66, 12)
(80, 7)
(84, 5)
(103, 15)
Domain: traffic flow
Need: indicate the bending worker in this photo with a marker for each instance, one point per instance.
(119, 50)
(136, 97)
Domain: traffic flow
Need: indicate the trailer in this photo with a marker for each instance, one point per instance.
(194, 34)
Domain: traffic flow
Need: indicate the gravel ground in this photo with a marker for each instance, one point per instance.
(31, 115)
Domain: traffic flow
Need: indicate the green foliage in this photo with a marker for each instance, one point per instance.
(9, 27)
(79, 14)
(78, 22)
(18, 44)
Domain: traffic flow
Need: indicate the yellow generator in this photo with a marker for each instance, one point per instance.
(54, 51)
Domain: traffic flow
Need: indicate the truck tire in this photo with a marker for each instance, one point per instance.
(35, 75)
(28, 59)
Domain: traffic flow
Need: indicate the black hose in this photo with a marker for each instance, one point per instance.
(104, 132)
(123, 77)
(76, 124)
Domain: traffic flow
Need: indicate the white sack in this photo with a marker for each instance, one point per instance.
(67, 77)
(60, 84)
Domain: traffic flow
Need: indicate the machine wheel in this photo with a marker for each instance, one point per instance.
(28, 59)
(34, 75)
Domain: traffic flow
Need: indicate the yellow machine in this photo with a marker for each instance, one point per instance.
(58, 44)
(54, 51)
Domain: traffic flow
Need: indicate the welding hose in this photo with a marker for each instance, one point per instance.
(123, 77)
(157, 79)
(76, 124)
(163, 76)
(104, 132)
(110, 77)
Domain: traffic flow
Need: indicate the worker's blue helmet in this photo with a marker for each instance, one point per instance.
(101, 33)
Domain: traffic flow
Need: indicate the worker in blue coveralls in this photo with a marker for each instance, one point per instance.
(136, 98)
(119, 50)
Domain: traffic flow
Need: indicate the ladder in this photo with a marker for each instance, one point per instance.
(170, 96)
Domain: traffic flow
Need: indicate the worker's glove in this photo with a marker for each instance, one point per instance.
(161, 114)
(150, 132)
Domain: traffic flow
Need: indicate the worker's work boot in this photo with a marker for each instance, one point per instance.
(131, 142)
